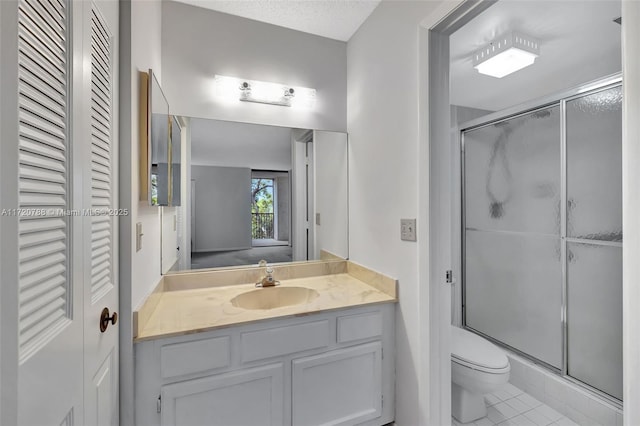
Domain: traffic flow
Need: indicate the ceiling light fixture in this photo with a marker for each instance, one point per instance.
(506, 54)
(263, 92)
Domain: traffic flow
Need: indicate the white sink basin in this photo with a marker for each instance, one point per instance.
(274, 297)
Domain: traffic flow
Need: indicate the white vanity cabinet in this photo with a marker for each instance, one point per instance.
(327, 368)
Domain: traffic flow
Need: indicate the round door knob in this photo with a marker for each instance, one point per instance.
(105, 319)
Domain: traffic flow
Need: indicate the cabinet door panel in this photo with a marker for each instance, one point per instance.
(241, 398)
(342, 387)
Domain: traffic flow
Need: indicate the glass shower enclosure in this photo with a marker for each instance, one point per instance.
(542, 233)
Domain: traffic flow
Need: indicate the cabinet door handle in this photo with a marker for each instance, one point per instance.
(105, 319)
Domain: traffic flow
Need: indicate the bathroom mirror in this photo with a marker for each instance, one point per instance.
(155, 143)
(159, 144)
(262, 192)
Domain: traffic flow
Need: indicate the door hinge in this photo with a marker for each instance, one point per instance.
(381, 400)
(449, 276)
(159, 404)
(382, 353)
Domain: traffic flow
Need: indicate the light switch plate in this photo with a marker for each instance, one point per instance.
(139, 235)
(408, 229)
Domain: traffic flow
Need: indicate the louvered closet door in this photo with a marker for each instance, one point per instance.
(100, 274)
(59, 235)
(50, 350)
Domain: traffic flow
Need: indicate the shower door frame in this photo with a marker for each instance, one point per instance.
(558, 99)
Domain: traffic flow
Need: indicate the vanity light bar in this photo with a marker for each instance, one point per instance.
(232, 88)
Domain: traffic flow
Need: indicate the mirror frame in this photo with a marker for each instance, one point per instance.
(145, 138)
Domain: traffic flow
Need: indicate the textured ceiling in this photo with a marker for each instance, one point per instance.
(335, 19)
(579, 43)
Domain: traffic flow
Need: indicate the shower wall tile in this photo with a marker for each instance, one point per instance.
(517, 374)
(577, 401)
(600, 413)
(535, 382)
(554, 403)
(524, 378)
(578, 417)
(562, 396)
(555, 387)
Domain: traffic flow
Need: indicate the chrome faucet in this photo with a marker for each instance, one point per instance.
(267, 280)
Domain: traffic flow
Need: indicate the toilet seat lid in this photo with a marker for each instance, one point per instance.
(475, 350)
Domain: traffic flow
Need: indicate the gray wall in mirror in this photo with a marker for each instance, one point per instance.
(263, 192)
(223, 208)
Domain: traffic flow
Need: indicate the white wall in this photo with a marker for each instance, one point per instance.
(198, 43)
(384, 178)
(331, 192)
(139, 271)
(223, 208)
(145, 54)
(631, 209)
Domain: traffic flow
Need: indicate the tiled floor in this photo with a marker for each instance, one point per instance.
(512, 407)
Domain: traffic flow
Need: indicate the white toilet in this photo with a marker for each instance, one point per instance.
(478, 367)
